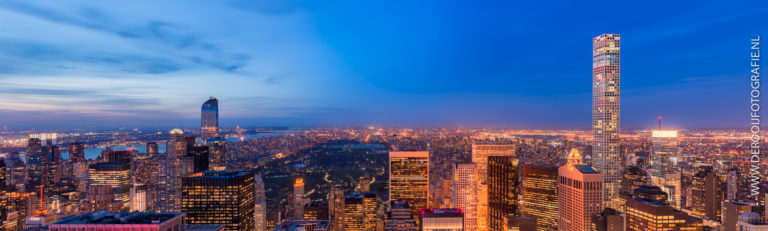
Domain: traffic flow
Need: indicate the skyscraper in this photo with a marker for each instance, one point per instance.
(706, 193)
(336, 207)
(298, 199)
(169, 174)
(605, 113)
(76, 152)
(354, 217)
(209, 119)
(632, 178)
(539, 191)
(220, 197)
(34, 165)
(480, 154)
(113, 174)
(260, 200)
(465, 192)
(664, 155)
(3, 197)
(409, 178)
(502, 190)
(217, 150)
(580, 194)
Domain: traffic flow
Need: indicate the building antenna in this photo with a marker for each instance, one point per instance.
(659, 122)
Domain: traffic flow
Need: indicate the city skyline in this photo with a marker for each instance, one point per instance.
(299, 66)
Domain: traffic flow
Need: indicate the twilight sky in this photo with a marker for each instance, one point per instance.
(400, 63)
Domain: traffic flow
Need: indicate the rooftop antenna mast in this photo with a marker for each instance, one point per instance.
(659, 122)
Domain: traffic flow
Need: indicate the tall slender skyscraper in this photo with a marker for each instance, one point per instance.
(480, 154)
(465, 192)
(260, 210)
(502, 190)
(209, 119)
(298, 199)
(606, 84)
(409, 178)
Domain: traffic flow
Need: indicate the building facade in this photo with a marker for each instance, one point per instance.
(539, 190)
(465, 192)
(502, 189)
(606, 85)
(580, 194)
(209, 119)
(409, 178)
(220, 197)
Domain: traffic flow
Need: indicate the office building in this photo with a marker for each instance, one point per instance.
(502, 189)
(217, 151)
(336, 207)
(608, 220)
(76, 152)
(298, 199)
(441, 220)
(580, 194)
(100, 198)
(409, 178)
(354, 217)
(260, 200)
(400, 217)
(539, 190)
(316, 210)
(732, 210)
(606, 85)
(152, 149)
(706, 194)
(644, 214)
(220, 197)
(465, 192)
(480, 154)
(209, 119)
(169, 174)
(116, 175)
(135, 221)
(139, 198)
(632, 178)
(751, 222)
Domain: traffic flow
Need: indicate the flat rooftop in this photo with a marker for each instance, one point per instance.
(106, 217)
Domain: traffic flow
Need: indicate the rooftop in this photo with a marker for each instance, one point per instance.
(106, 217)
(586, 169)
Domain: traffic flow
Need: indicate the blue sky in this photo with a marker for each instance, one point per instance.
(400, 63)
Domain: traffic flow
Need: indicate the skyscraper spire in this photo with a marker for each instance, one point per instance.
(574, 157)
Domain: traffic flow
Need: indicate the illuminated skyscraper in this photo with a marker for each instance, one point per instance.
(220, 197)
(540, 195)
(113, 174)
(369, 210)
(465, 192)
(732, 210)
(336, 207)
(354, 217)
(480, 154)
(260, 210)
(400, 217)
(217, 150)
(170, 173)
(76, 152)
(605, 113)
(580, 194)
(608, 220)
(409, 178)
(632, 178)
(152, 150)
(316, 210)
(706, 193)
(298, 199)
(34, 165)
(502, 190)
(209, 119)
(664, 156)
